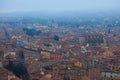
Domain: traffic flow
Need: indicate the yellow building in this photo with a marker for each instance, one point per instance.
(45, 55)
(107, 53)
(78, 64)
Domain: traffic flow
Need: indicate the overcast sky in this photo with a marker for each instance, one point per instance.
(58, 5)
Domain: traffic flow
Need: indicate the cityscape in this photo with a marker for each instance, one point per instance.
(60, 46)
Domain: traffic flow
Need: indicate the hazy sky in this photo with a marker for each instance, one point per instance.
(58, 5)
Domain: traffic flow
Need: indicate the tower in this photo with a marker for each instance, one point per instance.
(105, 42)
(1, 57)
